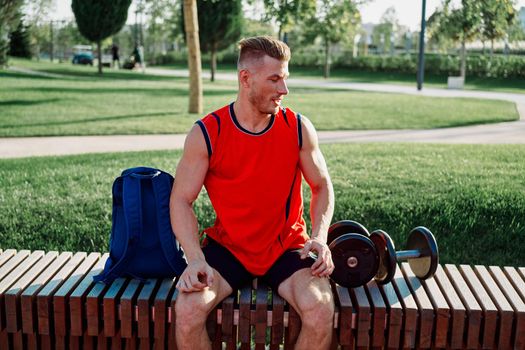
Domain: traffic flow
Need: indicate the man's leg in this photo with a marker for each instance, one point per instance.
(192, 309)
(312, 298)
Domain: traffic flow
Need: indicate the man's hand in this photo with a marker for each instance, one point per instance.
(197, 276)
(324, 265)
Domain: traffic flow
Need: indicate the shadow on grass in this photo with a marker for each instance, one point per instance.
(110, 75)
(89, 120)
(27, 102)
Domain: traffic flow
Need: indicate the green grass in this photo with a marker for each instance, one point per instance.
(122, 102)
(471, 197)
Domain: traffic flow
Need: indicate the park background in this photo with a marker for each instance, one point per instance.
(471, 196)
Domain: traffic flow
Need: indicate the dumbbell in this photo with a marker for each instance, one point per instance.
(421, 253)
(354, 255)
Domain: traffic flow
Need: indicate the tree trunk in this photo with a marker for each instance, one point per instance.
(191, 24)
(326, 59)
(4, 45)
(99, 57)
(213, 62)
(463, 59)
(491, 49)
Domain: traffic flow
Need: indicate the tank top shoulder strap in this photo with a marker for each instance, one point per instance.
(293, 121)
(210, 126)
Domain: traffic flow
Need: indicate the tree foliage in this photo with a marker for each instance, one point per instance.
(8, 19)
(497, 17)
(19, 40)
(287, 13)
(333, 22)
(97, 20)
(220, 25)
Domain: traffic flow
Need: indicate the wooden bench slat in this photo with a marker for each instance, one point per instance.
(44, 297)
(504, 308)
(442, 311)
(277, 333)
(28, 307)
(5, 256)
(245, 300)
(409, 309)
(12, 296)
(77, 298)
(109, 306)
(474, 310)
(172, 317)
(161, 306)
(93, 308)
(425, 308)
(227, 327)
(11, 277)
(363, 324)
(379, 314)
(127, 307)
(61, 296)
(346, 312)
(490, 312)
(457, 309)
(261, 302)
(518, 306)
(144, 303)
(395, 315)
(518, 283)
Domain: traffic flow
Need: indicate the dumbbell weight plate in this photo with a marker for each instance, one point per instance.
(387, 256)
(423, 240)
(355, 260)
(343, 227)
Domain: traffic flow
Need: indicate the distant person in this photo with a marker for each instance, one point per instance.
(137, 56)
(116, 57)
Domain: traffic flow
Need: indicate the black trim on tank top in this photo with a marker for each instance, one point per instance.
(218, 122)
(206, 136)
(238, 125)
(285, 117)
(299, 131)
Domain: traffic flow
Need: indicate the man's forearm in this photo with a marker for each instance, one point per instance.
(184, 224)
(322, 210)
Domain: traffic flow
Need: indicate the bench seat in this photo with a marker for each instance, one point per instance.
(48, 301)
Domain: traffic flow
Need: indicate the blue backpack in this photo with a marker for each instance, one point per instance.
(142, 244)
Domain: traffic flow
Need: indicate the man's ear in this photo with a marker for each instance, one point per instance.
(244, 78)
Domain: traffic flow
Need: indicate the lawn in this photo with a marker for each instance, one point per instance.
(81, 102)
(471, 197)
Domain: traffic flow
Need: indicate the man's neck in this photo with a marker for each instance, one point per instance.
(249, 117)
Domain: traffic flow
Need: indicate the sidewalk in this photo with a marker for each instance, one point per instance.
(501, 133)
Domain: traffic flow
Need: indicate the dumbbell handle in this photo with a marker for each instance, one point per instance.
(408, 254)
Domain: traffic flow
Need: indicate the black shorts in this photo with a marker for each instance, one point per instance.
(222, 260)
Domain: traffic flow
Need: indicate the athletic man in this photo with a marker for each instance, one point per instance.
(251, 156)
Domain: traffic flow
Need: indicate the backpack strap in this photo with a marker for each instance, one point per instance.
(170, 246)
(131, 198)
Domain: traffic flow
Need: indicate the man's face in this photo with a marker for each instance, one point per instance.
(267, 85)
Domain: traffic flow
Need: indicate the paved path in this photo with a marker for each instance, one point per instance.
(501, 133)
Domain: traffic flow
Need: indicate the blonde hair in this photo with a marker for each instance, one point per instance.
(255, 48)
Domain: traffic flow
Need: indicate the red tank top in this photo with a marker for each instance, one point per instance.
(254, 184)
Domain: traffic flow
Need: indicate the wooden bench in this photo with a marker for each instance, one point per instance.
(49, 301)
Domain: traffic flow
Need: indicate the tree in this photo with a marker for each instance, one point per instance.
(383, 34)
(8, 18)
(191, 25)
(462, 25)
(498, 16)
(287, 13)
(220, 25)
(333, 22)
(19, 41)
(97, 20)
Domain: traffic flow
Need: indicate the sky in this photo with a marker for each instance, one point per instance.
(408, 11)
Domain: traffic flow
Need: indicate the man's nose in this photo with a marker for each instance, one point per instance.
(282, 89)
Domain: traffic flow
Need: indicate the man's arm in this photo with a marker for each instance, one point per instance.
(315, 172)
(189, 179)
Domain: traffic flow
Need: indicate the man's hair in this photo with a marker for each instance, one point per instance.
(255, 48)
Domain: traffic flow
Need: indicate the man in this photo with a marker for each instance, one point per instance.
(251, 156)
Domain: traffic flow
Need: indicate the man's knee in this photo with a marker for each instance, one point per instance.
(192, 309)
